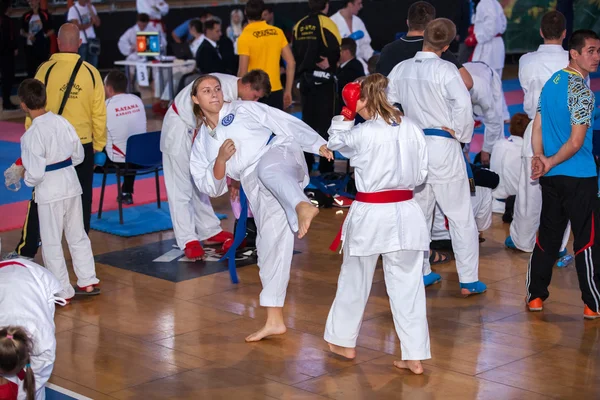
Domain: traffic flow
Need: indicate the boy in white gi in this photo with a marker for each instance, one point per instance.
(27, 320)
(234, 141)
(50, 149)
(389, 156)
(433, 94)
(348, 22)
(535, 69)
(193, 217)
(489, 26)
(487, 97)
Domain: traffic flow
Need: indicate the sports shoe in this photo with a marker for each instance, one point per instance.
(431, 278)
(510, 244)
(536, 305)
(193, 250)
(127, 199)
(219, 238)
(589, 314)
(14, 255)
(341, 201)
(467, 289)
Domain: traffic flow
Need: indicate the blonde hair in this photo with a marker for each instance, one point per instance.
(372, 89)
(198, 113)
(15, 352)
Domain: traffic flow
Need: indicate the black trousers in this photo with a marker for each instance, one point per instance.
(7, 70)
(318, 107)
(567, 199)
(128, 180)
(30, 234)
(275, 99)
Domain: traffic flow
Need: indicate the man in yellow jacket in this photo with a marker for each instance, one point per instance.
(85, 110)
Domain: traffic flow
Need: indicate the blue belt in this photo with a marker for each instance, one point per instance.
(240, 233)
(59, 165)
(444, 134)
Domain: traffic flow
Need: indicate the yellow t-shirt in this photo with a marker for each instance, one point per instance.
(263, 43)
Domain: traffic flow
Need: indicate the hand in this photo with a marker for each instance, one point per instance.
(324, 63)
(226, 151)
(540, 165)
(31, 38)
(450, 131)
(325, 152)
(287, 99)
(234, 190)
(485, 158)
(351, 95)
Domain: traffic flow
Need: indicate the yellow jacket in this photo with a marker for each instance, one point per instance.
(85, 109)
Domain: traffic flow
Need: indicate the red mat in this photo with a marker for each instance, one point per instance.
(11, 131)
(13, 215)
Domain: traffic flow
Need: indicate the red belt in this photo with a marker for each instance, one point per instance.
(389, 196)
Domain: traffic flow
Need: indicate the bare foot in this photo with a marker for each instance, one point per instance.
(267, 330)
(306, 212)
(414, 365)
(346, 352)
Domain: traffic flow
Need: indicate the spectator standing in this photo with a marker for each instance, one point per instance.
(262, 46)
(316, 48)
(85, 110)
(208, 57)
(348, 22)
(36, 26)
(84, 15)
(182, 32)
(8, 51)
(350, 67)
(236, 20)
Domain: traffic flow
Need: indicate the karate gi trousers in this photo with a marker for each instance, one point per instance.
(66, 216)
(404, 283)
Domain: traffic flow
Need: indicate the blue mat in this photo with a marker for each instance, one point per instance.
(137, 220)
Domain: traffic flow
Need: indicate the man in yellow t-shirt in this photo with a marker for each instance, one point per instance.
(261, 46)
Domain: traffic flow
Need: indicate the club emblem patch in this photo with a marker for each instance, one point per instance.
(228, 120)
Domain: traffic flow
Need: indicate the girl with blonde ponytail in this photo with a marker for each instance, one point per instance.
(389, 157)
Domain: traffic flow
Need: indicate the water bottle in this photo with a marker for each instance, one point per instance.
(565, 261)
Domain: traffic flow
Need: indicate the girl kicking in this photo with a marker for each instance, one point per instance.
(389, 156)
(234, 140)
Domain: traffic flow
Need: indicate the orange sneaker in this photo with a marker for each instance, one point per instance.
(589, 314)
(536, 305)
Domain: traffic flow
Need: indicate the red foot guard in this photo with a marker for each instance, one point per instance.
(228, 243)
(220, 237)
(193, 250)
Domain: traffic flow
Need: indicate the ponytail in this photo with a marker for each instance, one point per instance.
(373, 89)
(15, 352)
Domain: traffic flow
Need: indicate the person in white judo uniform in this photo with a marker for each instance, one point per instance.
(235, 141)
(50, 149)
(389, 156)
(487, 97)
(27, 330)
(535, 69)
(433, 94)
(348, 22)
(193, 217)
(489, 24)
(156, 10)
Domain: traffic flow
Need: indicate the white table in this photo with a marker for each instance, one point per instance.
(161, 66)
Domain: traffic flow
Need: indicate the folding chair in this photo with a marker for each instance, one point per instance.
(143, 150)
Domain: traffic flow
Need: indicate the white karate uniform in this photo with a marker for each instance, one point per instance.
(364, 51)
(482, 210)
(535, 69)
(125, 116)
(486, 96)
(27, 299)
(128, 42)
(433, 94)
(489, 21)
(385, 157)
(272, 175)
(191, 212)
(156, 10)
(506, 162)
(51, 139)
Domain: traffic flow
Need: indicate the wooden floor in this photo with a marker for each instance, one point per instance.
(145, 338)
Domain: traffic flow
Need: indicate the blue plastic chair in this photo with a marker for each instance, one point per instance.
(143, 151)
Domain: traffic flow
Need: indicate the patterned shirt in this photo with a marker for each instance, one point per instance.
(566, 100)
